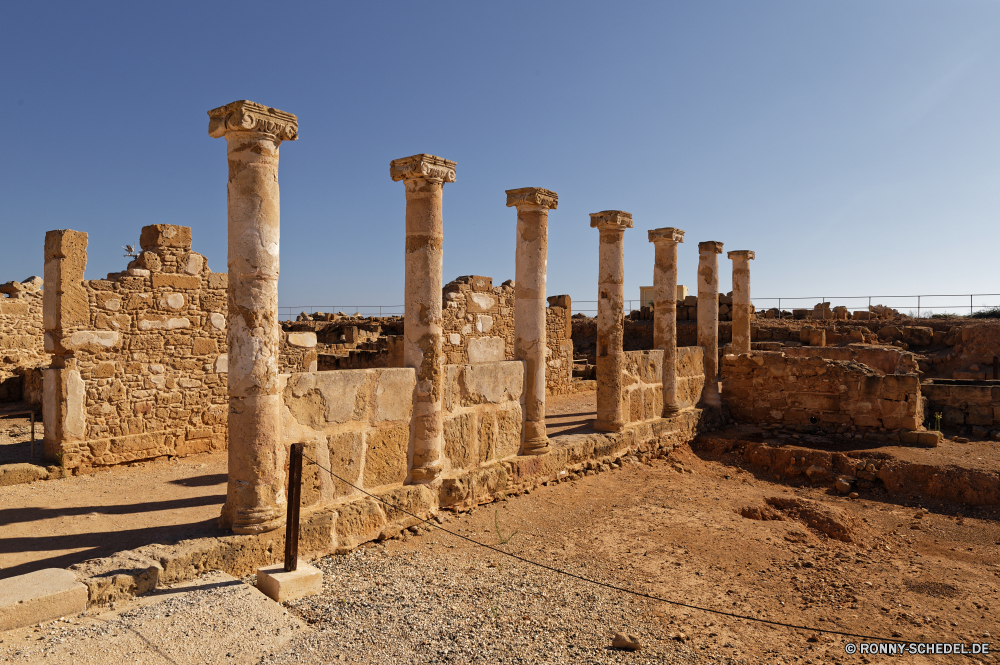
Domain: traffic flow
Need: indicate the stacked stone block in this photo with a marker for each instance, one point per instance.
(642, 381)
(772, 387)
(482, 412)
(558, 339)
(478, 320)
(138, 359)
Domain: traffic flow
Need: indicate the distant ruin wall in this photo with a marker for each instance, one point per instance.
(883, 359)
(963, 402)
(138, 359)
(772, 387)
(478, 320)
(22, 352)
(559, 357)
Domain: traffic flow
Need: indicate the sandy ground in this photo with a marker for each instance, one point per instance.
(56, 523)
(696, 531)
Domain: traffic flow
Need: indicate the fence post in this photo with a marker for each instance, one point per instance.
(294, 499)
(918, 307)
(970, 304)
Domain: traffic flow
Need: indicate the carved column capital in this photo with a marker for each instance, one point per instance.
(666, 234)
(712, 246)
(423, 167)
(741, 254)
(532, 196)
(611, 220)
(247, 116)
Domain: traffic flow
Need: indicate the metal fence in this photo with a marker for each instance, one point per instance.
(917, 306)
(286, 313)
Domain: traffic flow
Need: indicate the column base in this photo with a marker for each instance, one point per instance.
(537, 446)
(425, 475)
(253, 523)
(669, 411)
(608, 426)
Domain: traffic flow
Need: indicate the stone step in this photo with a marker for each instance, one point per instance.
(40, 596)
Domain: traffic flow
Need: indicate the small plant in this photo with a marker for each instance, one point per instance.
(937, 422)
(502, 540)
(988, 313)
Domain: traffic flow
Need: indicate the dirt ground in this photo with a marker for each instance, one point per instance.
(704, 532)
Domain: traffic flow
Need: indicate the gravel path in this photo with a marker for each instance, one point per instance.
(450, 605)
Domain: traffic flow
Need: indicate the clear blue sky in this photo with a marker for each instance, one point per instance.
(855, 146)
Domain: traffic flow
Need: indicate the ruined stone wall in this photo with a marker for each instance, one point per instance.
(772, 387)
(357, 423)
(478, 320)
(482, 412)
(883, 359)
(963, 402)
(22, 352)
(559, 357)
(643, 381)
(298, 352)
(354, 422)
(139, 363)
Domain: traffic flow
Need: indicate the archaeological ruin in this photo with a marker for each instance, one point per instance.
(445, 406)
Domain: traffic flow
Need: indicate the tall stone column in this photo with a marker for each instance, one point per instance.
(533, 205)
(665, 309)
(610, 318)
(708, 317)
(741, 299)
(423, 177)
(255, 500)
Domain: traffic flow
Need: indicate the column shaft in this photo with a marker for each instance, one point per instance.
(423, 324)
(708, 318)
(665, 310)
(255, 500)
(741, 300)
(530, 342)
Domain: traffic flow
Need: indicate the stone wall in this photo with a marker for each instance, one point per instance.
(298, 352)
(138, 359)
(772, 387)
(883, 359)
(357, 423)
(353, 422)
(478, 320)
(963, 403)
(22, 350)
(558, 339)
(643, 381)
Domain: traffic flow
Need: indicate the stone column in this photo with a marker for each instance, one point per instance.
(611, 415)
(665, 310)
(708, 317)
(533, 205)
(424, 177)
(255, 500)
(741, 299)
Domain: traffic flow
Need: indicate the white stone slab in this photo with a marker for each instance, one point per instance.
(40, 596)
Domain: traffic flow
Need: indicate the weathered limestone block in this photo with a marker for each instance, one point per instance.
(394, 394)
(485, 349)
(156, 236)
(741, 300)
(304, 340)
(65, 301)
(385, 456)
(491, 383)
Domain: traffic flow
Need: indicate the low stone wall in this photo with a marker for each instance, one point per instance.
(969, 402)
(298, 352)
(773, 387)
(883, 359)
(354, 422)
(643, 381)
(482, 412)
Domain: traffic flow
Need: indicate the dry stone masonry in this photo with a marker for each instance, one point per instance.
(22, 350)
(138, 365)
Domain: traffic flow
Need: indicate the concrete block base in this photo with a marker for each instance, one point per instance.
(279, 585)
(40, 596)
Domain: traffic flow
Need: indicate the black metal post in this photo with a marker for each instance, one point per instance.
(294, 499)
(33, 425)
